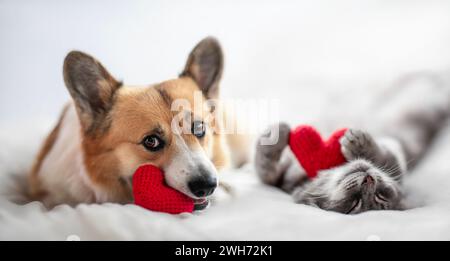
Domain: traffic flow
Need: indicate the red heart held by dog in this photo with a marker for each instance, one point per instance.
(313, 152)
(151, 192)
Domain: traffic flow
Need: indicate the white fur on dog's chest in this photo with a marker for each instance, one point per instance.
(62, 174)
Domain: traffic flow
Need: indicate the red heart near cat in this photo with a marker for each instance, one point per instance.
(313, 153)
(151, 192)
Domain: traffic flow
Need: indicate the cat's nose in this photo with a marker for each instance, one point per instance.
(368, 180)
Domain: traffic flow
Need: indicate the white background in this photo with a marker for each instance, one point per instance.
(276, 49)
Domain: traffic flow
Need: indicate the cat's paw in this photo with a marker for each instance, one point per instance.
(357, 144)
(269, 149)
(272, 145)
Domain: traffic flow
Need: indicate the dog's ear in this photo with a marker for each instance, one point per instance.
(205, 65)
(91, 87)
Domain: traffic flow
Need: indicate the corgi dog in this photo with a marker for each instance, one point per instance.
(109, 129)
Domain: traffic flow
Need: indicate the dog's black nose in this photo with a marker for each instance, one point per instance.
(202, 186)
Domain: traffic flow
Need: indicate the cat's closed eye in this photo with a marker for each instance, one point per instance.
(355, 206)
(380, 199)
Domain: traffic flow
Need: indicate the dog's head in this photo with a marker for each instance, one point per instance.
(124, 127)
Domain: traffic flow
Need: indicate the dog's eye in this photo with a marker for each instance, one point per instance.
(198, 129)
(153, 143)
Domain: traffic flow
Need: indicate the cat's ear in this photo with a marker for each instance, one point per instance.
(205, 66)
(91, 87)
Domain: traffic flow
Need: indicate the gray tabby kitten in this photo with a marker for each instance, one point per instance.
(405, 125)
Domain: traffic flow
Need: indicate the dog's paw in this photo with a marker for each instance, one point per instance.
(357, 144)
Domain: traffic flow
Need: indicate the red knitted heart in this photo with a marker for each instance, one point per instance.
(313, 152)
(151, 192)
